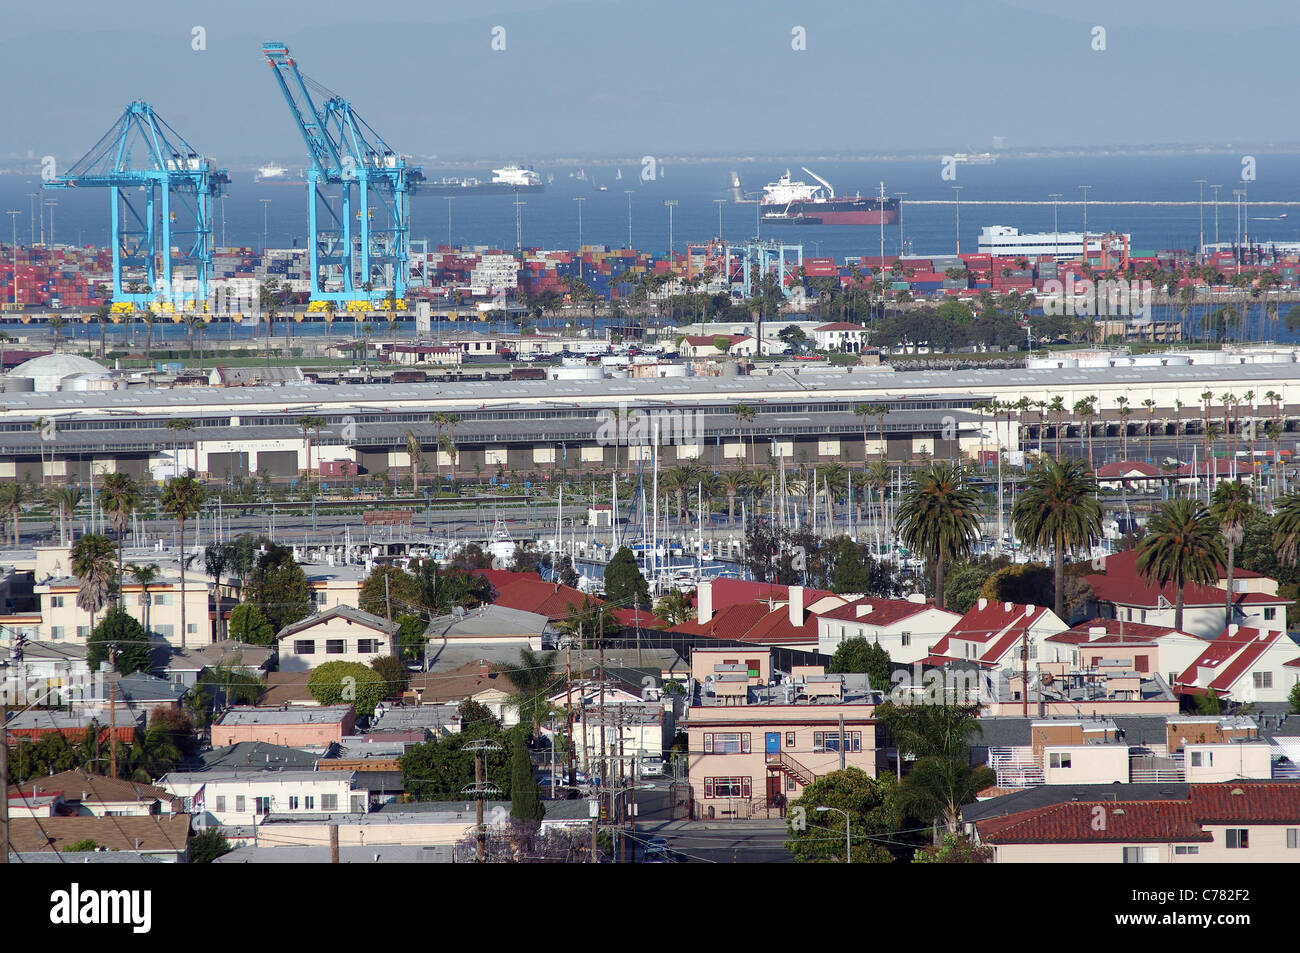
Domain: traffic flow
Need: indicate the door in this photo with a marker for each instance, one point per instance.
(772, 744)
(773, 790)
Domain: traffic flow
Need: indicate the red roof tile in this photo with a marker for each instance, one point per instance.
(1121, 585)
(1230, 656)
(883, 611)
(1074, 822)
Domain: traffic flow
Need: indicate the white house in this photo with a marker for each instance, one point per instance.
(243, 798)
(340, 634)
(906, 628)
(1244, 664)
(838, 336)
(993, 633)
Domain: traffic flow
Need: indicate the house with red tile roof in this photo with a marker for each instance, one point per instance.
(1132, 475)
(528, 592)
(838, 336)
(760, 613)
(992, 634)
(1148, 648)
(1119, 592)
(906, 628)
(1244, 664)
(1232, 822)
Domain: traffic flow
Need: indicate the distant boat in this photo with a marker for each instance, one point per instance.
(618, 177)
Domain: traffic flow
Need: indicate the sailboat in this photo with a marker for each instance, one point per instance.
(619, 175)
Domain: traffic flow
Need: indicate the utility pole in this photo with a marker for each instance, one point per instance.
(478, 789)
(568, 709)
(1200, 207)
(4, 783)
(112, 722)
(957, 191)
(334, 843)
(672, 204)
(628, 193)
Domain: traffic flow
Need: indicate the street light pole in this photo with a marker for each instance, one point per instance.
(580, 199)
(719, 203)
(957, 189)
(1216, 188)
(671, 203)
(1200, 215)
(628, 193)
(450, 199)
(13, 218)
(266, 205)
(902, 246)
(1085, 189)
(848, 840)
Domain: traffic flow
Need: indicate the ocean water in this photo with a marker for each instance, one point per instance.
(550, 219)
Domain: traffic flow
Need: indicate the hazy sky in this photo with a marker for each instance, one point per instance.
(636, 77)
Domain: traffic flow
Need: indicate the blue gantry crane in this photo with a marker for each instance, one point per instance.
(142, 153)
(352, 256)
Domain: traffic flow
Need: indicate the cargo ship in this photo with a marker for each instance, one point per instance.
(511, 178)
(788, 202)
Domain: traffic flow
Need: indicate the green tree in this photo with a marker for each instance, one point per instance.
(1294, 698)
(937, 737)
(249, 625)
(119, 497)
(410, 636)
(857, 655)
(207, 846)
(534, 680)
(624, 584)
(955, 849)
(964, 585)
(1182, 544)
(441, 770)
(403, 592)
(182, 499)
(278, 586)
(852, 575)
(675, 607)
(1058, 512)
(939, 518)
(92, 564)
(1231, 507)
(119, 638)
(525, 800)
(393, 672)
(820, 837)
(341, 683)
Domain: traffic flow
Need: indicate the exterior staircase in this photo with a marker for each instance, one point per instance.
(788, 765)
(1016, 767)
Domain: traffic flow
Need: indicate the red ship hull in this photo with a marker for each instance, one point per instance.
(836, 211)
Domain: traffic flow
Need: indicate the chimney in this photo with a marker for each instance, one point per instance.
(1232, 629)
(704, 602)
(1007, 606)
(983, 603)
(796, 605)
(483, 668)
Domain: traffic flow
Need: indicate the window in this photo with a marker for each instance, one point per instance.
(221, 803)
(1293, 838)
(304, 647)
(335, 646)
(830, 741)
(1270, 613)
(56, 602)
(329, 802)
(164, 599)
(1202, 759)
(309, 803)
(263, 805)
(1263, 679)
(368, 646)
(1059, 759)
(320, 597)
(239, 803)
(727, 787)
(1238, 838)
(752, 666)
(56, 631)
(191, 628)
(293, 802)
(358, 804)
(83, 631)
(789, 739)
(1141, 855)
(907, 638)
(1185, 849)
(726, 742)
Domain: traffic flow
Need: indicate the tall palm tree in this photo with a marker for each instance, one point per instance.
(1231, 507)
(1057, 407)
(534, 679)
(92, 564)
(1058, 510)
(181, 425)
(451, 420)
(1150, 405)
(119, 498)
(182, 498)
(1086, 408)
(1182, 546)
(65, 500)
(13, 496)
(416, 453)
(734, 482)
(102, 315)
(745, 414)
(308, 423)
(939, 517)
(147, 317)
(145, 574)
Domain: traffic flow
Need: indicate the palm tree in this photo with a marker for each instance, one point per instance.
(145, 574)
(939, 517)
(745, 414)
(732, 483)
(1086, 407)
(182, 499)
(1058, 510)
(1231, 507)
(180, 425)
(307, 424)
(119, 498)
(416, 453)
(534, 680)
(451, 420)
(1182, 545)
(147, 316)
(1057, 407)
(331, 312)
(1150, 405)
(102, 314)
(65, 500)
(215, 559)
(12, 498)
(92, 564)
